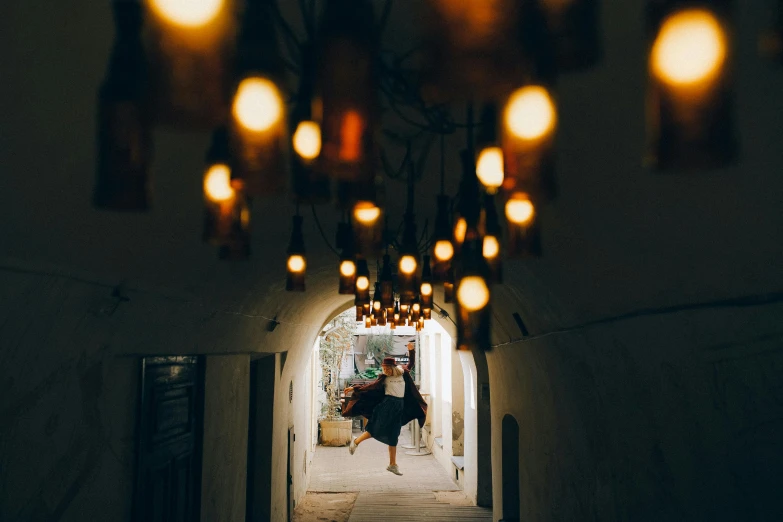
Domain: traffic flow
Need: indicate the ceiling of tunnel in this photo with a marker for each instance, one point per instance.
(618, 238)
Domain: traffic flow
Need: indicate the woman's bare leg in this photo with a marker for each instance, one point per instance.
(392, 455)
(361, 438)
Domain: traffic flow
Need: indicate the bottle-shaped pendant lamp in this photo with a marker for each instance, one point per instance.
(690, 90)
(124, 139)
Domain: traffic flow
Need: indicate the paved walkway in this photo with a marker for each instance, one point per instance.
(336, 470)
(424, 492)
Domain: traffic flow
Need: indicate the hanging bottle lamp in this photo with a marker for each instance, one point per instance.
(425, 288)
(529, 124)
(524, 238)
(471, 51)
(473, 295)
(191, 46)
(442, 245)
(489, 156)
(124, 133)
(226, 211)
(297, 264)
(346, 98)
(387, 287)
(690, 96)
(574, 29)
(347, 266)
(258, 119)
(362, 295)
(368, 228)
(309, 184)
(491, 241)
(408, 263)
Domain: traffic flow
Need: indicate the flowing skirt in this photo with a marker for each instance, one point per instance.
(386, 420)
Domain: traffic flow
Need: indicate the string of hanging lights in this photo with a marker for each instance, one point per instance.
(219, 65)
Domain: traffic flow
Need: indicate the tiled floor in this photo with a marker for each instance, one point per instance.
(334, 469)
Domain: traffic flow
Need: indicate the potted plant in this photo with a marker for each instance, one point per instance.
(336, 342)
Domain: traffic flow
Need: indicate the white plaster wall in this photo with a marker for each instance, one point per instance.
(224, 462)
(660, 417)
(470, 475)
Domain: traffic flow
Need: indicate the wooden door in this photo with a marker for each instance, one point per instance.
(168, 476)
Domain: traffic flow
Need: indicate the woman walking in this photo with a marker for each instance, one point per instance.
(390, 402)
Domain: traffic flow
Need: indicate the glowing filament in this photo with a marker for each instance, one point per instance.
(362, 283)
(426, 289)
(296, 263)
(444, 250)
(188, 13)
(473, 294)
(690, 48)
(407, 264)
(520, 210)
(460, 229)
(217, 183)
(491, 247)
(351, 136)
(530, 113)
(257, 104)
(307, 140)
(489, 168)
(347, 268)
(366, 213)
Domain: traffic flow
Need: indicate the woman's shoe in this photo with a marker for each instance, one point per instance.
(394, 469)
(352, 446)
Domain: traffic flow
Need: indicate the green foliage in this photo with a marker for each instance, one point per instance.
(380, 345)
(369, 373)
(336, 342)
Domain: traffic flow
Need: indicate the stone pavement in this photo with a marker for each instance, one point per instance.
(335, 470)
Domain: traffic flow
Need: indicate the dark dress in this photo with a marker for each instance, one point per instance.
(387, 414)
(386, 420)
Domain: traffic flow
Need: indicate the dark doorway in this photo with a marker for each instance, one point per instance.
(510, 464)
(168, 477)
(259, 451)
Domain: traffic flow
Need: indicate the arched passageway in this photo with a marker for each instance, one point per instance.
(443, 472)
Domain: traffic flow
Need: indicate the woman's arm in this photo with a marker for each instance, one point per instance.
(411, 357)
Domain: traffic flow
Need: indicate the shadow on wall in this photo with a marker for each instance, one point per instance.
(510, 470)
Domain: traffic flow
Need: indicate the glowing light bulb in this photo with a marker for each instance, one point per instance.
(530, 113)
(444, 250)
(460, 229)
(690, 48)
(362, 283)
(217, 183)
(366, 213)
(407, 264)
(307, 140)
(519, 209)
(351, 136)
(296, 263)
(473, 294)
(347, 268)
(489, 168)
(416, 307)
(490, 247)
(188, 13)
(376, 305)
(426, 289)
(257, 104)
